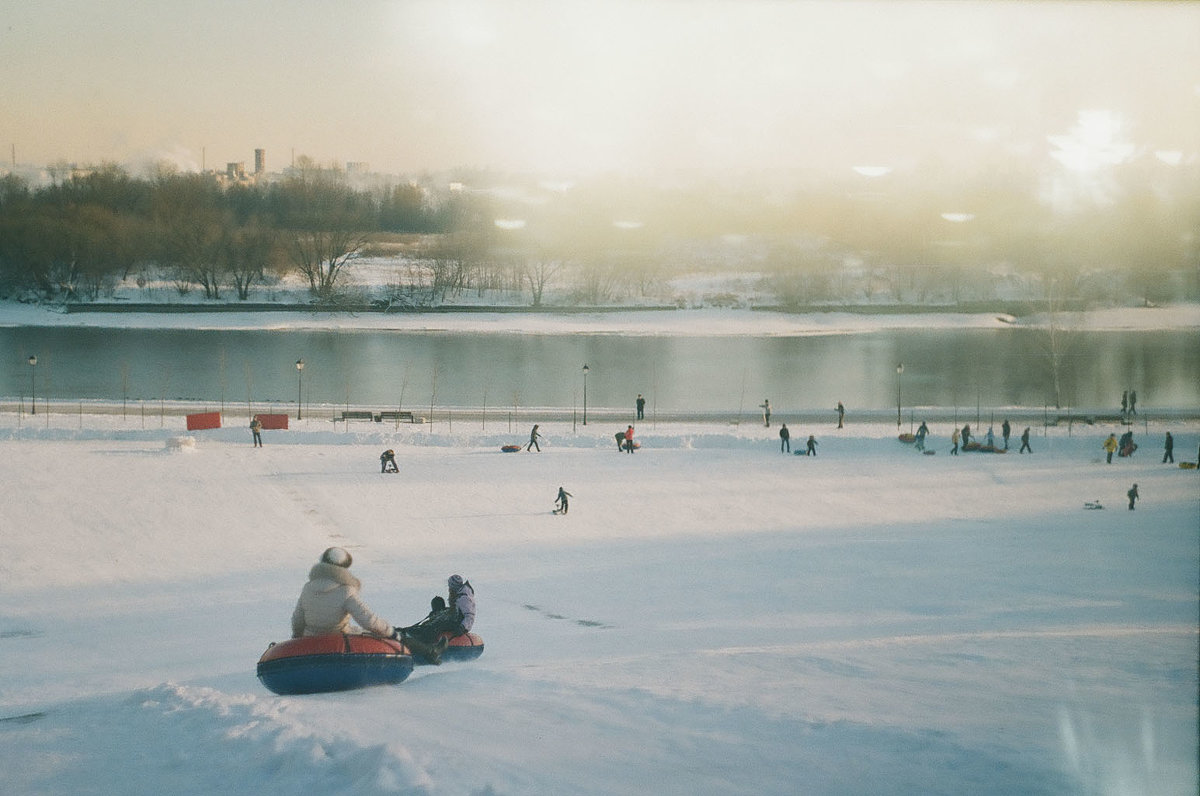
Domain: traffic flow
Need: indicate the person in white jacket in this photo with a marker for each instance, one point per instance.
(330, 598)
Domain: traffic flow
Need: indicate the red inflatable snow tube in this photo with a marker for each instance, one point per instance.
(337, 662)
(466, 647)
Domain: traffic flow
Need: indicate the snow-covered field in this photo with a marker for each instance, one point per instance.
(711, 616)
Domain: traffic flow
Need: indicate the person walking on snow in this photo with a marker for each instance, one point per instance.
(785, 437)
(1169, 449)
(954, 440)
(560, 502)
(1133, 402)
(1025, 441)
(256, 430)
(1133, 495)
(1125, 402)
(534, 436)
(922, 431)
(1005, 431)
(330, 598)
(1110, 447)
(629, 440)
(811, 446)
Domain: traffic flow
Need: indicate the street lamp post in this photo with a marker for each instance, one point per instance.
(899, 370)
(299, 389)
(585, 373)
(32, 385)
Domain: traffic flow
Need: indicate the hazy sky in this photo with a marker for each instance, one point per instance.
(564, 85)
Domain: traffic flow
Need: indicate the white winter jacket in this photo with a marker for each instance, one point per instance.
(328, 601)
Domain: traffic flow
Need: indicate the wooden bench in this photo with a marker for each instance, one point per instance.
(354, 415)
(395, 416)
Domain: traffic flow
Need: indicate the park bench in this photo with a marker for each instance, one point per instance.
(354, 415)
(394, 415)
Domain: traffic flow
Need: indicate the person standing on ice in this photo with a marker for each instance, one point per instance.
(330, 598)
(785, 439)
(1125, 402)
(256, 430)
(841, 410)
(1133, 402)
(811, 446)
(641, 407)
(954, 439)
(534, 436)
(629, 440)
(1133, 495)
(991, 438)
(1169, 449)
(1025, 441)
(766, 407)
(1110, 447)
(1005, 431)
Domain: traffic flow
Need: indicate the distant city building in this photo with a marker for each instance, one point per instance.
(357, 167)
(235, 171)
(260, 161)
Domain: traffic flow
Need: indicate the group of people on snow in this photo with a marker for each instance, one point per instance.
(785, 442)
(331, 598)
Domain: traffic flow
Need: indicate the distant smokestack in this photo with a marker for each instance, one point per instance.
(260, 161)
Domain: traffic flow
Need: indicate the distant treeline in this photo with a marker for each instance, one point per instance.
(78, 237)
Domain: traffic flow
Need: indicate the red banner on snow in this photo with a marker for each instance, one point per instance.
(204, 420)
(273, 421)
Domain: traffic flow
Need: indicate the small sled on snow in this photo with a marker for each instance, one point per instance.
(510, 448)
(907, 438)
(1187, 465)
(466, 647)
(1093, 505)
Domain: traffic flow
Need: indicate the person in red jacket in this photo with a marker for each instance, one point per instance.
(629, 439)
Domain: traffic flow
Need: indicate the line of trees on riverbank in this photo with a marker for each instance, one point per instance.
(78, 237)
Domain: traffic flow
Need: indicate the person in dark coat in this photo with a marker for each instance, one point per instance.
(1133, 495)
(641, 407)
(841, 410)
(1125, 402)
(620, 438)
(1133, 402)
(966, 435)
(922, 432)
(256, 430)
(1005, 431)
(429, 636)
(811, 446)
(785, 437)
(387, 462)
(1025, 441)
(534, 436)
(560, 502)
(1169, 449)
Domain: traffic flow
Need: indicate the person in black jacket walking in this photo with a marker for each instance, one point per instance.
(785, 437)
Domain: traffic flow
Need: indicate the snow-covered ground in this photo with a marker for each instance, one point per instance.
(711, 616)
